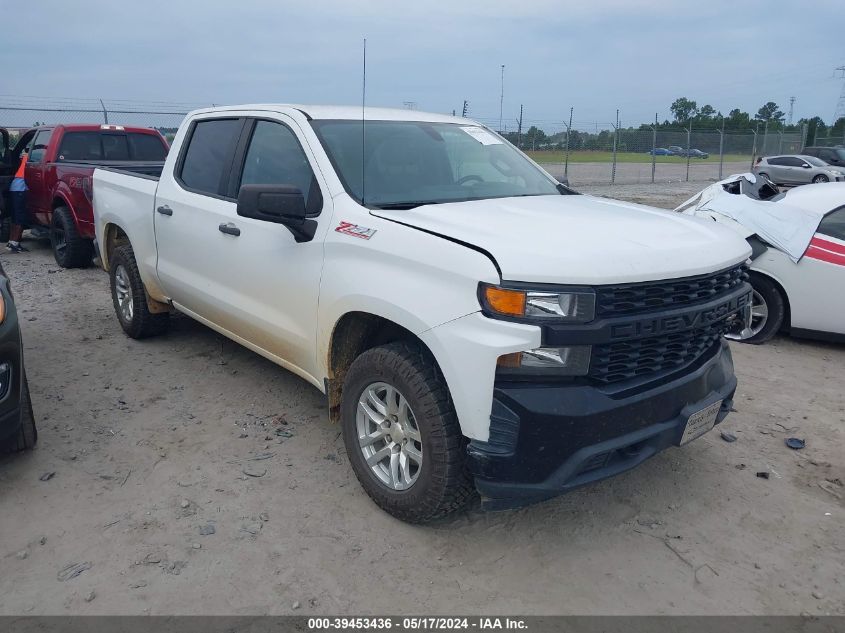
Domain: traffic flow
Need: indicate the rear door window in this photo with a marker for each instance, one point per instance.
(208, 155)
(776, 161)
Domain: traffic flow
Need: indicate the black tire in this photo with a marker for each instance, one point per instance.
(771, 295)
(69, 249)
(820, 178)
(123, 272)
(443, 485)
(27, 435)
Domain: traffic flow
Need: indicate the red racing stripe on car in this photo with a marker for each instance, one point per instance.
(814, 252)
(827, 245)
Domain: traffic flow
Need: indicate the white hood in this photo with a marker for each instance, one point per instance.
(581, 239)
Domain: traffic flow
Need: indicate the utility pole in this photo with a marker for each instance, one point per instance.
(653, 147)
(519, 129)
(466, 108)
(791, 109)
(501, 99)
(615, 145)
(840, 105)
(566, 160)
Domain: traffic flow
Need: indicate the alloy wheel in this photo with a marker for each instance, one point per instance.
(388, 436)
(123, 293)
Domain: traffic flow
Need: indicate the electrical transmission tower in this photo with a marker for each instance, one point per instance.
(791, 109)
(840, 106)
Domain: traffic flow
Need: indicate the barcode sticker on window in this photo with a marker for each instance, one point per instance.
(481, 135)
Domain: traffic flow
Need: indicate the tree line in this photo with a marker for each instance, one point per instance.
(687, 113)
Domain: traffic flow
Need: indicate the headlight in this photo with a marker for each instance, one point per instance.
(572, 360)
(578, 306)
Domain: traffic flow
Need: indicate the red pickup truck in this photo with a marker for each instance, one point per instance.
(58, 174)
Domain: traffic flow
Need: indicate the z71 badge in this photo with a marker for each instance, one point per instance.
(354, 230)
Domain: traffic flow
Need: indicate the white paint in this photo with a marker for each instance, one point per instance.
(283, 299)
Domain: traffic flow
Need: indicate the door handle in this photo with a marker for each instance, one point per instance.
(165, 210)
(229, 229)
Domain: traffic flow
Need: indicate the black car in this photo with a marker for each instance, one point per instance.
(831, 155)
(17, 423)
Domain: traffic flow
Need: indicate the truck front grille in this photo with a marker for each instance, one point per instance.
(639, 298)
(625, 360)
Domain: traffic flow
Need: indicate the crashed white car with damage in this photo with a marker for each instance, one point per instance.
(798, 252)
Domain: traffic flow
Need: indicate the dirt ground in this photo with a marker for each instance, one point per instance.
(152, 442)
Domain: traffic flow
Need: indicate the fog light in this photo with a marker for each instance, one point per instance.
(573, 360)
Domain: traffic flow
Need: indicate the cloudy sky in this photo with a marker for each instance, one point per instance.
(594, 56)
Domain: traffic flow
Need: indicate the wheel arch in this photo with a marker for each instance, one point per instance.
(354, 333)
(113, 236)
(787, 311)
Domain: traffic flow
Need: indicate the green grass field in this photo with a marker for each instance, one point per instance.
(559, 156)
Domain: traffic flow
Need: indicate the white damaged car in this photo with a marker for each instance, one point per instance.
(798, 252)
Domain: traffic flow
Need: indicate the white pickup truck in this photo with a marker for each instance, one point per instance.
(474, 325)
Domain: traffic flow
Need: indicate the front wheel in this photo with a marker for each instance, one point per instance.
(820, 178)
(768, 310)
(402, 434)
(130, 299)
(27, 435)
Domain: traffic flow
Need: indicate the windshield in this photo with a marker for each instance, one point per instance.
(815, 161)
(409, 163)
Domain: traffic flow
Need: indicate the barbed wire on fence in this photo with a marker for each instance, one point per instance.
(585, 152)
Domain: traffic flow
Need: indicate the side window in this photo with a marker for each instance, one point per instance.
(833, 224)
(39, 146)
(275, 157)
(825, 154)
(209, 154)
(777, 161)
(793, 162)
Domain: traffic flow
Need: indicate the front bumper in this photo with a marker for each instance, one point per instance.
(547, 439)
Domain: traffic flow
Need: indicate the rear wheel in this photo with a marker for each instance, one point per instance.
(69, 249)
(130, 299)
(402, 434)
(768, 310)
(821, 178)
(27, 435)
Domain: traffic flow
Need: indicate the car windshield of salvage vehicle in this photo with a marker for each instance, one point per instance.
(411, 163)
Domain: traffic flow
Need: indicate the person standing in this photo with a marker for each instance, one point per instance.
(20, 218)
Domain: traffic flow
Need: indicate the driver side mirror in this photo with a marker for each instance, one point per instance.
(280, 204)
(806, 166)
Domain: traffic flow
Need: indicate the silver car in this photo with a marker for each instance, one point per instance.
(797, 170)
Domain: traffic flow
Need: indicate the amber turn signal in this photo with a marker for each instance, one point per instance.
(503, 301)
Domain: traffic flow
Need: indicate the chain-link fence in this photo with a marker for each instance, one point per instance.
(660, 155)
(597, 153)
(830, 141)
(20, 113)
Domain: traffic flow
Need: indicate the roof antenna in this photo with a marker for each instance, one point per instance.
(363, 125)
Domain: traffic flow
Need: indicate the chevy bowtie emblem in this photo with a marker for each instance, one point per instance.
(354, 230)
